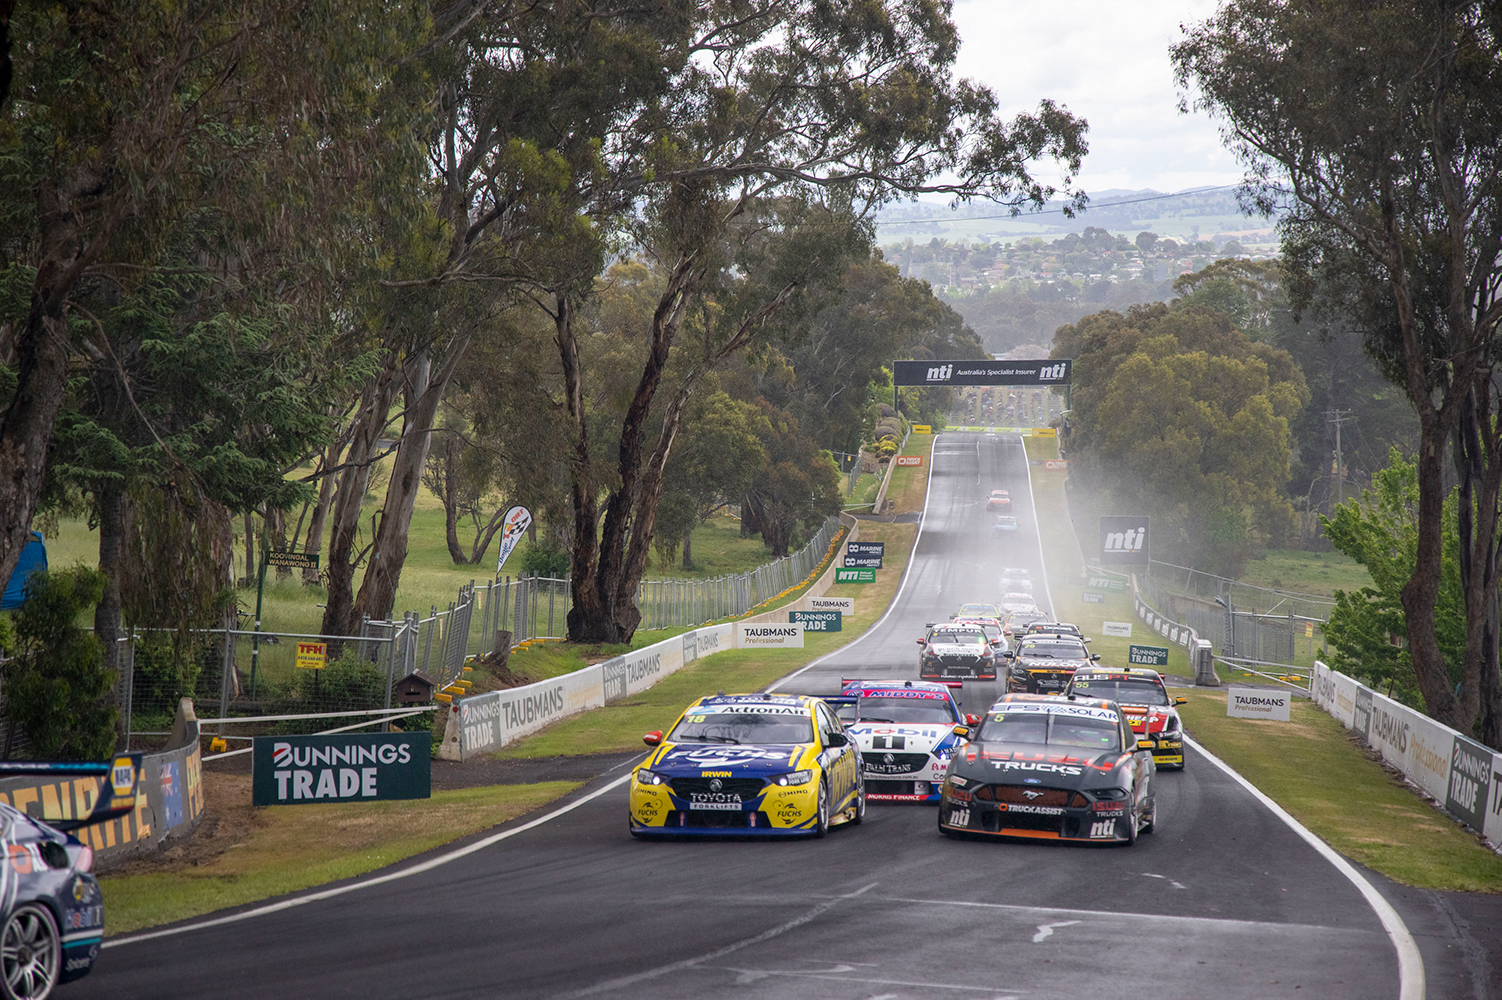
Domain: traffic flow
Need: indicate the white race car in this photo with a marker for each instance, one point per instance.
(905, 733)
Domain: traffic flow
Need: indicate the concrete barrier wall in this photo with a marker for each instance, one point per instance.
(1459, 773)
(169, 799)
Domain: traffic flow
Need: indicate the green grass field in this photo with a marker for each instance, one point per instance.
(1318, 573)
(910, 482)
(1313, 767)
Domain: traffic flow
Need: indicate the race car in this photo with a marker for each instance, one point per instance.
(52, 921)
(1050, 769)
(1005, 524)
(1043, 664)
(1016, 622)
(978, 611)
(1144, 701)
(958, 651)
(748, 764)
(1016, 580)
(1055, 628)
(905, 731)
(1020, 602)
(999, 500)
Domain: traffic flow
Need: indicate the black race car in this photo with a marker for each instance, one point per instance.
(1050, 769)
(53, 911)
(1043, 664)
(958, 651)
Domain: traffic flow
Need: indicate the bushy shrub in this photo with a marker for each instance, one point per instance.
(546, 558)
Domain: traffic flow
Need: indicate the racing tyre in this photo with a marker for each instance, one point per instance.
(821, 821)
(30, 953)
(1134, 825)
(1150, 818)
(860, 805)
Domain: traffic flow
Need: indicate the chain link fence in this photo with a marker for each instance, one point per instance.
(1239, 620)
(253, 673)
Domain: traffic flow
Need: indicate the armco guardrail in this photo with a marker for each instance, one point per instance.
(1200, 658)
(1463, 776)
(169, 798)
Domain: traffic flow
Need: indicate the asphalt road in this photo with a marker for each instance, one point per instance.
(1222, 901)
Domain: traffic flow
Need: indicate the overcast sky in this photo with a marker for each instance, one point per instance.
(1107, 61)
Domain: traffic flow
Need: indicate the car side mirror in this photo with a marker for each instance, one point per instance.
(972, 720)
(996, 642)
(653, 738)
(963, 732)
(837, 740)
(1094, 656)
(922, 641)
(1143, 745)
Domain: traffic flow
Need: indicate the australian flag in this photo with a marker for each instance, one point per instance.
(172, 793)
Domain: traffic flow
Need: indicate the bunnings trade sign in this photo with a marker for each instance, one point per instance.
(340, 767)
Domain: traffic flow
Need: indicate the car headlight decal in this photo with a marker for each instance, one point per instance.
(645, 777)
(794, 778)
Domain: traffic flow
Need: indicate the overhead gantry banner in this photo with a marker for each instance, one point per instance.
(1048, 371)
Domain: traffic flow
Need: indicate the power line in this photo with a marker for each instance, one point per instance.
(1058, 211)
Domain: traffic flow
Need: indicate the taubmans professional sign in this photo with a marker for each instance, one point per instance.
(1257, 703)
(340, 767)
(970, 372)
(844, 605)
(1123, 540)
(864, 554)
(769, 634)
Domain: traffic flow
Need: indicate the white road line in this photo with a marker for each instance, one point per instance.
(1410, 960)
(1045, 931)
(766, 935)
(896, 599)
(429, 865)
(1032, 499)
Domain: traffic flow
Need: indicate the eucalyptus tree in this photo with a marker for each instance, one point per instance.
(1376, 126)
(125, 120)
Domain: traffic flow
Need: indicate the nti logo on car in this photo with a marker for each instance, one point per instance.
(340, 767)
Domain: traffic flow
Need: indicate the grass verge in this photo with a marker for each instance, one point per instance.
(619, 727)
(909, 482)
(281, 849)
(1312, 767)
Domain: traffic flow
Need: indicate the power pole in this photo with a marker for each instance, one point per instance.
(1339, 417)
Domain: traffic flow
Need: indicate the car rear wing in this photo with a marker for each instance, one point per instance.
(117, 790)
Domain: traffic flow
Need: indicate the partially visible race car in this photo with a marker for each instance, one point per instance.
(1005, 524)
(53, 910)
(1020, 602)
(1055, 628)
(1016, 622)
(989, 625)
(905, 731)
(1144, 701)
(955, 651)
(1043, 664)
(1050, 769)
(977, 610)
(749, 764)
(999, 500)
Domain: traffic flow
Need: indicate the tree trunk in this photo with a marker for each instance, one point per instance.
(276, 535)
(314, 542)
(339, 616)
(451, 501)
(585, 616)
(1421, 591)
(424, 391)
(108, 498)
(250, 551)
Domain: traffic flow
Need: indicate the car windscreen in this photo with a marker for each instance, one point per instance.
(1121, 691)
(978, 609)
(1052, 650)
(1084, 731)
(955, 636)
(933, 710)
(742, 726)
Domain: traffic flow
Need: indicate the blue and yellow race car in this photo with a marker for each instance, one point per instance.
(749, 764)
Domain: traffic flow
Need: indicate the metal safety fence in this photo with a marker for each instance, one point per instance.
(1239, 620)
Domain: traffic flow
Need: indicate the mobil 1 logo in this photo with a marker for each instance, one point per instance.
(1123, 540)
(340, 767)
(1470, 781)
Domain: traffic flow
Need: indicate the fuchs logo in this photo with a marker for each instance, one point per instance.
(281, 754)
(940, 373)
(1052, 373)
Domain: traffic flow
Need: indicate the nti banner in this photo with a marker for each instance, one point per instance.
(1046, 371)
(1123, 540)
(340, 767)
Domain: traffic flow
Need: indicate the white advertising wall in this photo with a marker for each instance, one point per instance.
(1459, 773)
(484, 723)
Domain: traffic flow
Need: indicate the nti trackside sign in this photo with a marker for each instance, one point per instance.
(1123, 540)
(1047, 371)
